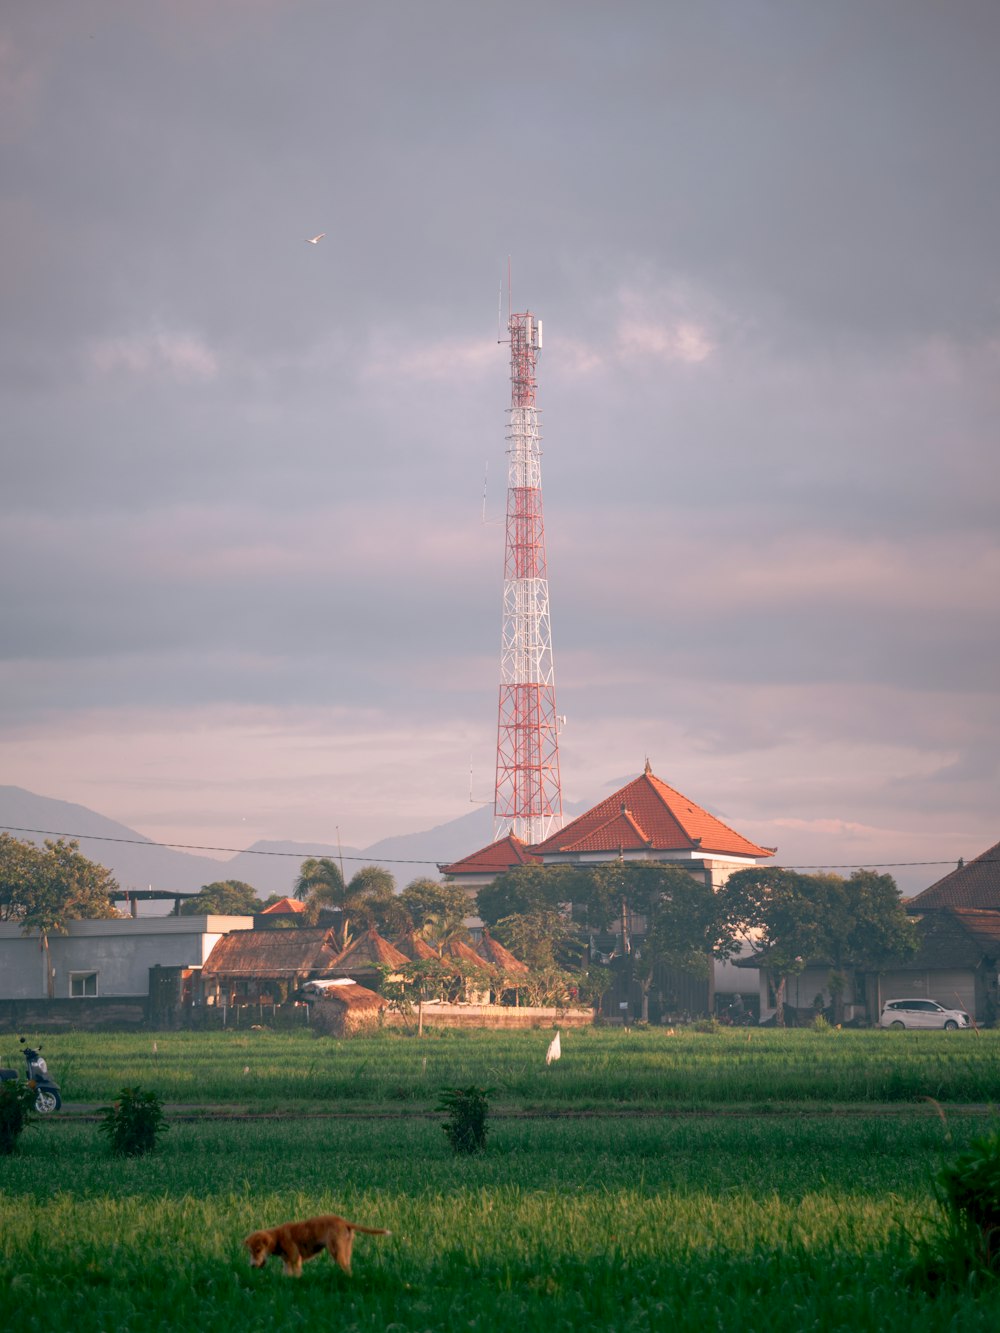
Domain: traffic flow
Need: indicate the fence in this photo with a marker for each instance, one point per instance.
(97, 1014)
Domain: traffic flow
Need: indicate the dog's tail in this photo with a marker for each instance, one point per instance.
(369, 1231)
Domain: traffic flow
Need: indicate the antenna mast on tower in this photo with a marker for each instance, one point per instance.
(528, 800)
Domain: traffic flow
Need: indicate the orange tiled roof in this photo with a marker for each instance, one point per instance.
(976, 884)
(284, 906)
(647, 815)
(495, 859)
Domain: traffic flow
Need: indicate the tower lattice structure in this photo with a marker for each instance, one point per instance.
(528, 800)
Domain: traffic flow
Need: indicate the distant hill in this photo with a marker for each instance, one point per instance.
(271, 867)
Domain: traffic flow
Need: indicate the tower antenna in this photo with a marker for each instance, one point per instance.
(528, 795)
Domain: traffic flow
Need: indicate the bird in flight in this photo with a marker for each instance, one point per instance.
(315, 240)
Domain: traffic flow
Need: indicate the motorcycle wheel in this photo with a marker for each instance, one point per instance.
(47, 1101)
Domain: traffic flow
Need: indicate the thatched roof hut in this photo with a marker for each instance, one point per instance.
(253, 964)
(464, 953)
(497, 956)
(366, 957)
(414, 946)
(347, 1009)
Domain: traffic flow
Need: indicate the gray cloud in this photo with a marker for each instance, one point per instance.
(244, 475)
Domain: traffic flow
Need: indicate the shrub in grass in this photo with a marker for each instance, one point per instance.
(17, 1103)
(970, 1190)
(133, 1124)
(467, 1110)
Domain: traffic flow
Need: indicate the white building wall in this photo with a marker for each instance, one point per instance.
(120, 951)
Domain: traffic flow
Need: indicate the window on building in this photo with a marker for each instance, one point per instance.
(82, 985)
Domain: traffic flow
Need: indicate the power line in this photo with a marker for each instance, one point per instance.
(413, 861)
(194, 847)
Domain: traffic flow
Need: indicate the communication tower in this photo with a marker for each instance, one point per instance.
(528, 800)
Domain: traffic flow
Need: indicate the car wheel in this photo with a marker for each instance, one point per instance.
(897, 1024)
(951, 1026)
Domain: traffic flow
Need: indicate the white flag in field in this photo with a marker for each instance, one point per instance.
(555, 1050)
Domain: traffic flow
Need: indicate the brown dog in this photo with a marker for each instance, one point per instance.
(295, 1242)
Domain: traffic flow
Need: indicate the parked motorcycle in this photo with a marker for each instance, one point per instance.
(47, 1096)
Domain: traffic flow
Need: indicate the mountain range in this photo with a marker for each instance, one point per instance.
(271, 867)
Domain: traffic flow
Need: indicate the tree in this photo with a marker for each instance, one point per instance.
(321, 884)
(223, 897)
(320, 876)
(45, 888)
(20, 865)
(674, 913)
(423, 979)
(526, 890)
(683, 927)
(372, 892)
(795, 919)
(370, 895)
(542, 940)
(867, 927)
(778, 912)
(436, 911)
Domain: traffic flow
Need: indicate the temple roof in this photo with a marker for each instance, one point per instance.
(495, 859)
(285, 907)
(647, 815)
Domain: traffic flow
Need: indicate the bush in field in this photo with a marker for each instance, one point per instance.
(970, 1192)
(17, 1102)
(133, 1123)
(467, 1111)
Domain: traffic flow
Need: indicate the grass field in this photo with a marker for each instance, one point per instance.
(600, 1068)
(787, 1214)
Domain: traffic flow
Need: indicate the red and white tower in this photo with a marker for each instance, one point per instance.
(528, 800)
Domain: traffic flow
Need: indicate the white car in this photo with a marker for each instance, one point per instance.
(921, 1014)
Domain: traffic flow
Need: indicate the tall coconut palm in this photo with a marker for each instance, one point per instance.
(321, 884)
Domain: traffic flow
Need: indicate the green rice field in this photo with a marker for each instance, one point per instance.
(644, 1182)
(601, 1069)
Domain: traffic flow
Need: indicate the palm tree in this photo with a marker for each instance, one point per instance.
(321, 884)
(319, 873)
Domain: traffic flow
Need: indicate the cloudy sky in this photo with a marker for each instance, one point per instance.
(246, 586)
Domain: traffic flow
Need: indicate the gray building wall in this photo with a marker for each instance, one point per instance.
(119, 952)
